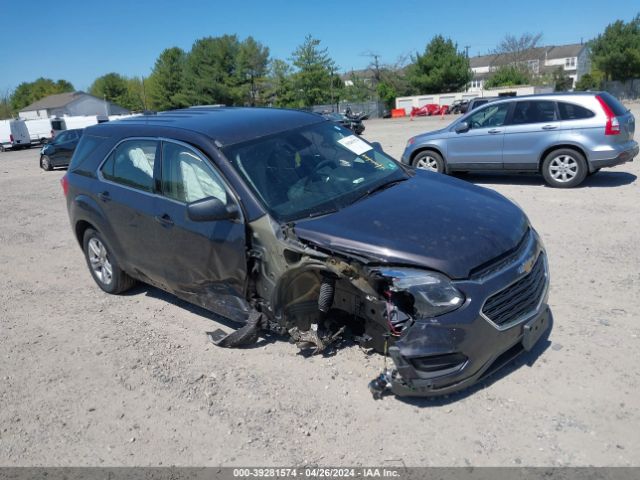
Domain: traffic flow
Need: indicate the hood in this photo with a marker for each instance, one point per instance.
(430, 221)
(433, 133)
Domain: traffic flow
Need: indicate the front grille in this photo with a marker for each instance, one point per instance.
(519, 299)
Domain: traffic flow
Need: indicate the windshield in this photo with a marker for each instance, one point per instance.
(312, 170)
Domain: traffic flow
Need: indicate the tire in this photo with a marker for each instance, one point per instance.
(564, 168)
(45, 163)
(429, 160)
(103, 265)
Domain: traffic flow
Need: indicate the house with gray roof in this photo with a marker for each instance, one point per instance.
(70, 104)
(573, 59)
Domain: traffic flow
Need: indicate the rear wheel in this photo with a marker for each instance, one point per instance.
(429, 160)
(564, 168)
(103, 265)
(45, 163)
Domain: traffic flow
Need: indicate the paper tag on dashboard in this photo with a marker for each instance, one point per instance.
(354, 144)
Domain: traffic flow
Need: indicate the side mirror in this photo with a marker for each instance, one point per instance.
(377, 147)
(210, 209)
(462, 127)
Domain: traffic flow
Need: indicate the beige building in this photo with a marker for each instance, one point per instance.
(573, 59)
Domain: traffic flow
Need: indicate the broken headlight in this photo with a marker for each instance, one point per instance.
(433, 294)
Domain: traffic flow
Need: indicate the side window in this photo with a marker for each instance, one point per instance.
(186, 177)
(569, 111)
(538, 111)
(62, 137)
(131, 164)
(492, 115)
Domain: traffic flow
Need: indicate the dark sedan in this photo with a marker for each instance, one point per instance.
(286, 222)
(59, 151)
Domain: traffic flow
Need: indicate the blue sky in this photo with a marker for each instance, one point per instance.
(80, 40)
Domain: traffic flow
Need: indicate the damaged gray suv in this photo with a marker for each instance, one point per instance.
(283, 221)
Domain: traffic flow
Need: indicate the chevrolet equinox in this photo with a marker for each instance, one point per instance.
(284, 221)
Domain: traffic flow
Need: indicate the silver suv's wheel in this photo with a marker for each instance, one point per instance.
(103, 265)
(429, 160)
(564, 168)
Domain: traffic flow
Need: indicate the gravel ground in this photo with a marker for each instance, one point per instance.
(92, 379)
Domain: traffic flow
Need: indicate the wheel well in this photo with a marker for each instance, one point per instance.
(81, 227)
(559, 147)
(426, 149)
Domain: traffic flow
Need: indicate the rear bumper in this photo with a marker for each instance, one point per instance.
(623, 157)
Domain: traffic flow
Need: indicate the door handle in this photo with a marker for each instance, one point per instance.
(495, 130)
(549, 127)
(104, 196)
(164, 220)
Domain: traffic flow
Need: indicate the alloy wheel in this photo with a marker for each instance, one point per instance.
(99, 260)
(428, 163)
(563, 168)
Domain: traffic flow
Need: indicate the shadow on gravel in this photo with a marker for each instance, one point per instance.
(153, 292)
(525, 358)
(599, 180)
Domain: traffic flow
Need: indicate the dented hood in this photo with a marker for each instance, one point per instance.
(431, 221)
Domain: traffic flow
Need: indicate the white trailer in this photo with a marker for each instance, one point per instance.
(40, 131)
(59, 124)
(14, 134)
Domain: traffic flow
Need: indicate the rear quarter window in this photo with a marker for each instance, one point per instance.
(570, 111)
(614, 104)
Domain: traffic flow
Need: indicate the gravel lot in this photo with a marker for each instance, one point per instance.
(92, 379)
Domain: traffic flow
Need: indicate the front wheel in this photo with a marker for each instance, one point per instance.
(429, 160)
(45, 163)
(564, 168)
(103, 265)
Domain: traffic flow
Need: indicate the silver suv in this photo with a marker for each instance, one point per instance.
(564, 136)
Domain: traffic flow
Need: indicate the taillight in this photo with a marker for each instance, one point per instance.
(64, 181)
(612, 127)
(11, 138)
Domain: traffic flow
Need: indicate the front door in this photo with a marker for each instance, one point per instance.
(479, 148)
(204, 262)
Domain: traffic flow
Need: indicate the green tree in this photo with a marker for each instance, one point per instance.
(252, 63)
(166, 82)
(616, 52)
(314, 72)
(359, 90)
(29, 92)
(561, 81)
(210, 71)
(118, 89)
(280, 89)
(441, 68)
(589, 81)
(507, 76)
(5, 106)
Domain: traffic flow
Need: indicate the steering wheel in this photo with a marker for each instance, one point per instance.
(315, 174)
(475, 124)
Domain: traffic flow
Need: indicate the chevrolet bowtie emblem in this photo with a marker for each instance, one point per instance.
(527, 265)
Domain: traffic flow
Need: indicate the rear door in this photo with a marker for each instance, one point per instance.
(203, 262)
(479, 148)
(534, 125)
(127, 195)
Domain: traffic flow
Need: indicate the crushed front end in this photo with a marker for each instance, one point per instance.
(445, 335)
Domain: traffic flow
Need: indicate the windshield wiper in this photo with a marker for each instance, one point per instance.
(320, 213)
(379, 188)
